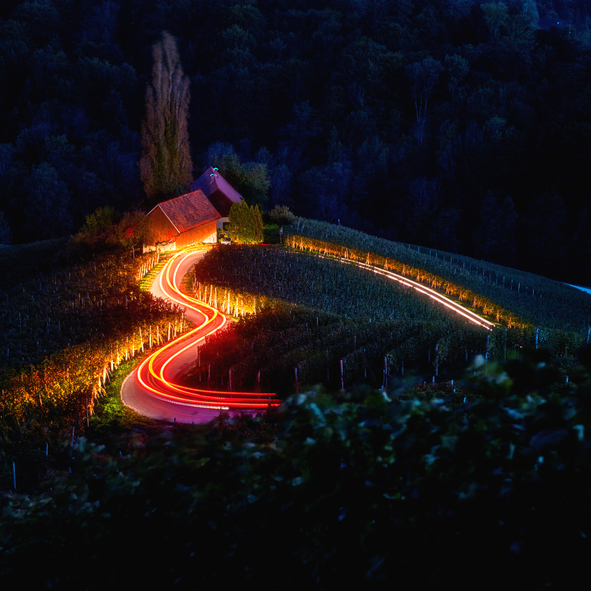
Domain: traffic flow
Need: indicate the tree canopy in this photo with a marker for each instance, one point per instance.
(350, 111)
(373, 488)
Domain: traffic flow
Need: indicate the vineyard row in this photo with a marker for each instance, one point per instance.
(47, 396)
(532, 299)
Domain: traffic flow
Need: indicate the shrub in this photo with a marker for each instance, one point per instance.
(282, 216)
(246, 223)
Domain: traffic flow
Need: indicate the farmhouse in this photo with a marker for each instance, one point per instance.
(218, 190)
(194, 217)
(183, 221)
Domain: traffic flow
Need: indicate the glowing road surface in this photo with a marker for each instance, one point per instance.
(431, 293)
(154, 389)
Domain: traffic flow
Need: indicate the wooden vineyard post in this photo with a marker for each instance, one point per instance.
(437, 358)
(342, 376)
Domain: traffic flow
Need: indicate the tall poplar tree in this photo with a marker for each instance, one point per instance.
(166, 167)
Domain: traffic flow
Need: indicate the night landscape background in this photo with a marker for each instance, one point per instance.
(453, 124)
(448, 141)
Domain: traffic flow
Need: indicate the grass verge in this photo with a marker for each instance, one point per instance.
(111, 413)
(148, 279)
(121, 429)
(271, 234)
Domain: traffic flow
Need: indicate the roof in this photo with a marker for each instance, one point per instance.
(189, 210)
(217, 189)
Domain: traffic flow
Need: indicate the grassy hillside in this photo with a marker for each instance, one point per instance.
(538, 300)
(66, 326)
(318, 321)
(30, 259)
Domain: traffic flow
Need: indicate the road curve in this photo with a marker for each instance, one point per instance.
(431, 293)
(154, 389)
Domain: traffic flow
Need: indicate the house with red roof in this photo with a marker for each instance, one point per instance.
(182, 221)
(193, 217)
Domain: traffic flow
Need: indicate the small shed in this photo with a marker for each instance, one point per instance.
(218, 190)
(183, 221)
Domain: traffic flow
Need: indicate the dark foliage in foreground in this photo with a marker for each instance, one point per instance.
(361, 488)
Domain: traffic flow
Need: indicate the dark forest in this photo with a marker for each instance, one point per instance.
(454, 124)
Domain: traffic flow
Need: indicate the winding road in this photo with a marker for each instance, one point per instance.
(154, 389)
(435, 296)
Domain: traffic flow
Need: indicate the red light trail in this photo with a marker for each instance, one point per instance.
(158, 375)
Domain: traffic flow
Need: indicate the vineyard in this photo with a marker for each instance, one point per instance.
(441, 464)
(520, 298)
(304, 319)
(301, 317)
(64, 334)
